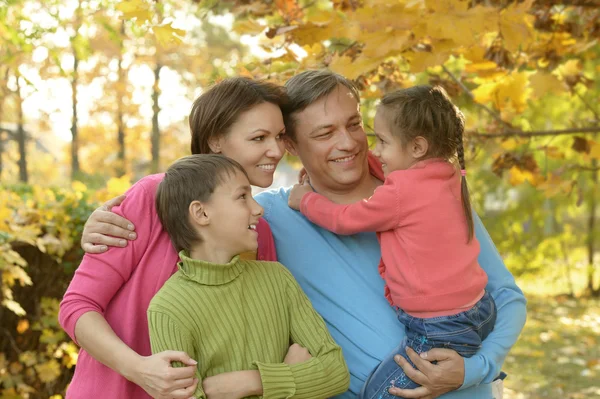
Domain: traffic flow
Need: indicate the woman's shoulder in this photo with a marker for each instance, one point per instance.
(146, 185)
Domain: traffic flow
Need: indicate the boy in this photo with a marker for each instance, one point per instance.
(236, 317)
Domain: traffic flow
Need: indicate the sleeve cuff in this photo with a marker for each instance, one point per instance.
(473, 367)
(277, 380)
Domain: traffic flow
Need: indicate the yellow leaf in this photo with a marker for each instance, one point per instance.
(452, 20)
(554, 153)
(509, 93)
(167, 35)
(135, 9)
(248, 27)
(76, 185)
(385, 43)
(420, 61)
(378, 16)
(49, 371)
(353, 69)
(543, 83)
(22, 326)
(311, 33)
(594, 150)
(14, 307)
(509, 144)
(516, 25)
(570, 68)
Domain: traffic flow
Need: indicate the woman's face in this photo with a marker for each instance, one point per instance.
(255, 140)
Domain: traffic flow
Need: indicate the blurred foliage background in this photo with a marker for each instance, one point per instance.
(94, 94)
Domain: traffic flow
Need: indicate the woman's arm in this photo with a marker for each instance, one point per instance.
(153, 373)
(96, 282)
(322, 376)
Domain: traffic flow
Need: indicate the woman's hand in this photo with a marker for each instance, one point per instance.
(233, 385)
(297, 193)
(437, 379)
(162, 381)
(297, 354)
(105, 228)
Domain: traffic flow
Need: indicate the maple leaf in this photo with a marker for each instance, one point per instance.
(138, 10)
(166, 35)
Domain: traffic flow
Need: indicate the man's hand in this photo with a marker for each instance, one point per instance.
(162, 381)
(437, 379)
(105, 228)
(297, 354)
(297, 193)
(233, 385)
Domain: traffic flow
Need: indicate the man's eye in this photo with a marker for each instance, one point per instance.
(355, 125)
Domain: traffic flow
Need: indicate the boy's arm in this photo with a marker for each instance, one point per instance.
(325, 374)
(485, 366)
(166, 335)
(380, 212)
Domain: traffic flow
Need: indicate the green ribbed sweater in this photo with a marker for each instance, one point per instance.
(243, 316)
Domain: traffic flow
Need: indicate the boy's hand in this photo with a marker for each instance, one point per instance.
(297, 354)
(297, 193)
(233, 385)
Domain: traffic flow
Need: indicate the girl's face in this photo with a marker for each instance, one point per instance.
(389, 149)
(255, 140)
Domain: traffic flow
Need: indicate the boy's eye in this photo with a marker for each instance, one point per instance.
(243, 196)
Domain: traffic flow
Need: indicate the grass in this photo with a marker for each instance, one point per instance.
(558, 353)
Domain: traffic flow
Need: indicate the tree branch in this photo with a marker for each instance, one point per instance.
(536, 133)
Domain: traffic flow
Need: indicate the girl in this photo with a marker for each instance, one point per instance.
(423, 218)
(104, 308)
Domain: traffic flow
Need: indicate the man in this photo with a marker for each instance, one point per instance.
(339, 273)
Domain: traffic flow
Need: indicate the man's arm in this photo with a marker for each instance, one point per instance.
(322, 376)
(380, 212)
(485, 366)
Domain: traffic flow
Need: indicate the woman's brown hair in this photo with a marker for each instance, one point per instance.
(216, 110)
(428, 112)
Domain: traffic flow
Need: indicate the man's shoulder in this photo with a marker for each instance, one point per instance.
(274, 202)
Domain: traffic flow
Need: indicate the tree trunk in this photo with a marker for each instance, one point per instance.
(21, 139)
(155, 128)
(120, 123)
(74, 125)
(591, 234)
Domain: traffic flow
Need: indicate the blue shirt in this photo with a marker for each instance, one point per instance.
(339, 275)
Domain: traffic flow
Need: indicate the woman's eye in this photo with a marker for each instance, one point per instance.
(259, 138)
(280, 136)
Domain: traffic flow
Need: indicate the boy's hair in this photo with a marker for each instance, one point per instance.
(216, 110)
(191, 178)
(428, 112)
(308, 87)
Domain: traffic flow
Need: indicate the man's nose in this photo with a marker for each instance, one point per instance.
(346, 142)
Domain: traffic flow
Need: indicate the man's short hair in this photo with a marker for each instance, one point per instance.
(308, 87)
(191, 178)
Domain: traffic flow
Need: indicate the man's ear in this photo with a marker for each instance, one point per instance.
(419, 147)
(215, 145)
(290, 145)
(198, 214)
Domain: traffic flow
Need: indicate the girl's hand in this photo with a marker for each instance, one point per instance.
(437, 379)
(297, 193)
(297, 354)
(233, 385)
(162, 381)
(105, 228)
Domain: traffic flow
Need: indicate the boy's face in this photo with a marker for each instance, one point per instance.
(389, 149)
(233, 215)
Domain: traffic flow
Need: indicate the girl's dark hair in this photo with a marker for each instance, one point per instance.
(216, 110)
(428, 112)
(191, 178)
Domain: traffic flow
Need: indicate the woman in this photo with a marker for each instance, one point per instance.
(104, 308)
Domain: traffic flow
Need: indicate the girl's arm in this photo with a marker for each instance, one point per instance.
(322, 376)
(380, 212)
(95, 283)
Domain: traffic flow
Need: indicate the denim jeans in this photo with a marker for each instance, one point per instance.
(462, 332)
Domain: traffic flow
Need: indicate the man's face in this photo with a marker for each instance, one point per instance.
(331, 142)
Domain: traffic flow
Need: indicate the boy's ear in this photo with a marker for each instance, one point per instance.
(419, 147)
(290, 145)
(215, 145)
(198, 214)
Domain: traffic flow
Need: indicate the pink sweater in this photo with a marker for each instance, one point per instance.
(426, 262)
(119, 285)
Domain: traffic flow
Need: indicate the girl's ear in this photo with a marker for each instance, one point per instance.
(290, 145)
(215, 145)
(419, 147)
(198, 214)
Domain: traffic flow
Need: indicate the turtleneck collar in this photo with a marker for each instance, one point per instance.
(208, 273)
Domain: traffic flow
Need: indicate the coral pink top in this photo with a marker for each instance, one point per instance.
(429, 267)
(119, 285)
